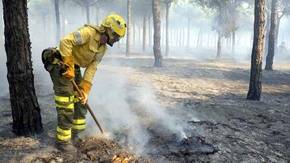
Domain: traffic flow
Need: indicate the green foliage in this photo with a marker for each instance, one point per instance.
(226, 14)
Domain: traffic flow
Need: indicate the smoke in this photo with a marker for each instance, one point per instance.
(147, 99)
(126, 110)
(109, 100)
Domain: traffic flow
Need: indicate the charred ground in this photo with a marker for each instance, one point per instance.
(209, 96)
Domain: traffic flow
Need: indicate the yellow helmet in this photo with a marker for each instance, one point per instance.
(116, 23)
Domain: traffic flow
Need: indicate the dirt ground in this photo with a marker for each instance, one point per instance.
(209, 95)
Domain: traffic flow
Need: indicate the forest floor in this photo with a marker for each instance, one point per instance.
(207, 97)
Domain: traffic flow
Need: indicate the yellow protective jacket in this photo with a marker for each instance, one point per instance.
(83, 48)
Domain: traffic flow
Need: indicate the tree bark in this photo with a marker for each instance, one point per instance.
(198, 42)
(144, 33)
(188, 32)
(272, 44)
(57, 19)
(128, 41)
(63, 18)
(176, 37)
(255, 86)
(25, 109)
(88, 13)
(167, 26)
(1, 27)
(180, 37)
(150, 31)
(163, 33)
(219, 45)
(268, 23)
(134, 32)
(140, 34)
(157, 22)
(233, 42)
(208, 41)
(1, 32)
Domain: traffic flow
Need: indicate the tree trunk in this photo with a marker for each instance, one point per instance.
(180, 37)
(255, 86)
(1, 32)
(198, 42)
(144, 32)
(278, 29)
(233, 42)
(208, 41)
(157, 22)
(195, 38)
(1, 27)
(177, 42)
(150, 31)
(188, 32)
(219, 45)
(134, 32)
(272, 35)
(184, 40)
(63, 24)
(268, 23)
(57, 18)
(88, 13)
(163, 33)
(167, 26)
(25, 109)
(128, 42)
(228, 41)
(140, 34)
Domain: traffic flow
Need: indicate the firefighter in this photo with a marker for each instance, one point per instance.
(83, 48)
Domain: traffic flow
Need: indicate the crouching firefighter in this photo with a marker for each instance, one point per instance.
(83, 48)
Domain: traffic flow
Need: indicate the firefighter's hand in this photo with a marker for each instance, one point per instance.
(84, 97)
(66, 71)
(85, 87)
(69, 74)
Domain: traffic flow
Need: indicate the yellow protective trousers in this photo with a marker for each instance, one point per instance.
(71, 114)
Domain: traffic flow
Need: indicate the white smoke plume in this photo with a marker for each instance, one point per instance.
(125, 110)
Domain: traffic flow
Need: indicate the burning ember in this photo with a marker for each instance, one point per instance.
(166, 144)
(121, 159)
(193, 145)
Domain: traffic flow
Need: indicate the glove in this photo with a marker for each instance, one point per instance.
(85, 87)
(68, 73)
(68, 68)
(84, 97)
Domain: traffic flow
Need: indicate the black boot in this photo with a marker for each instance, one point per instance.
(68, 150)
(76, 138)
